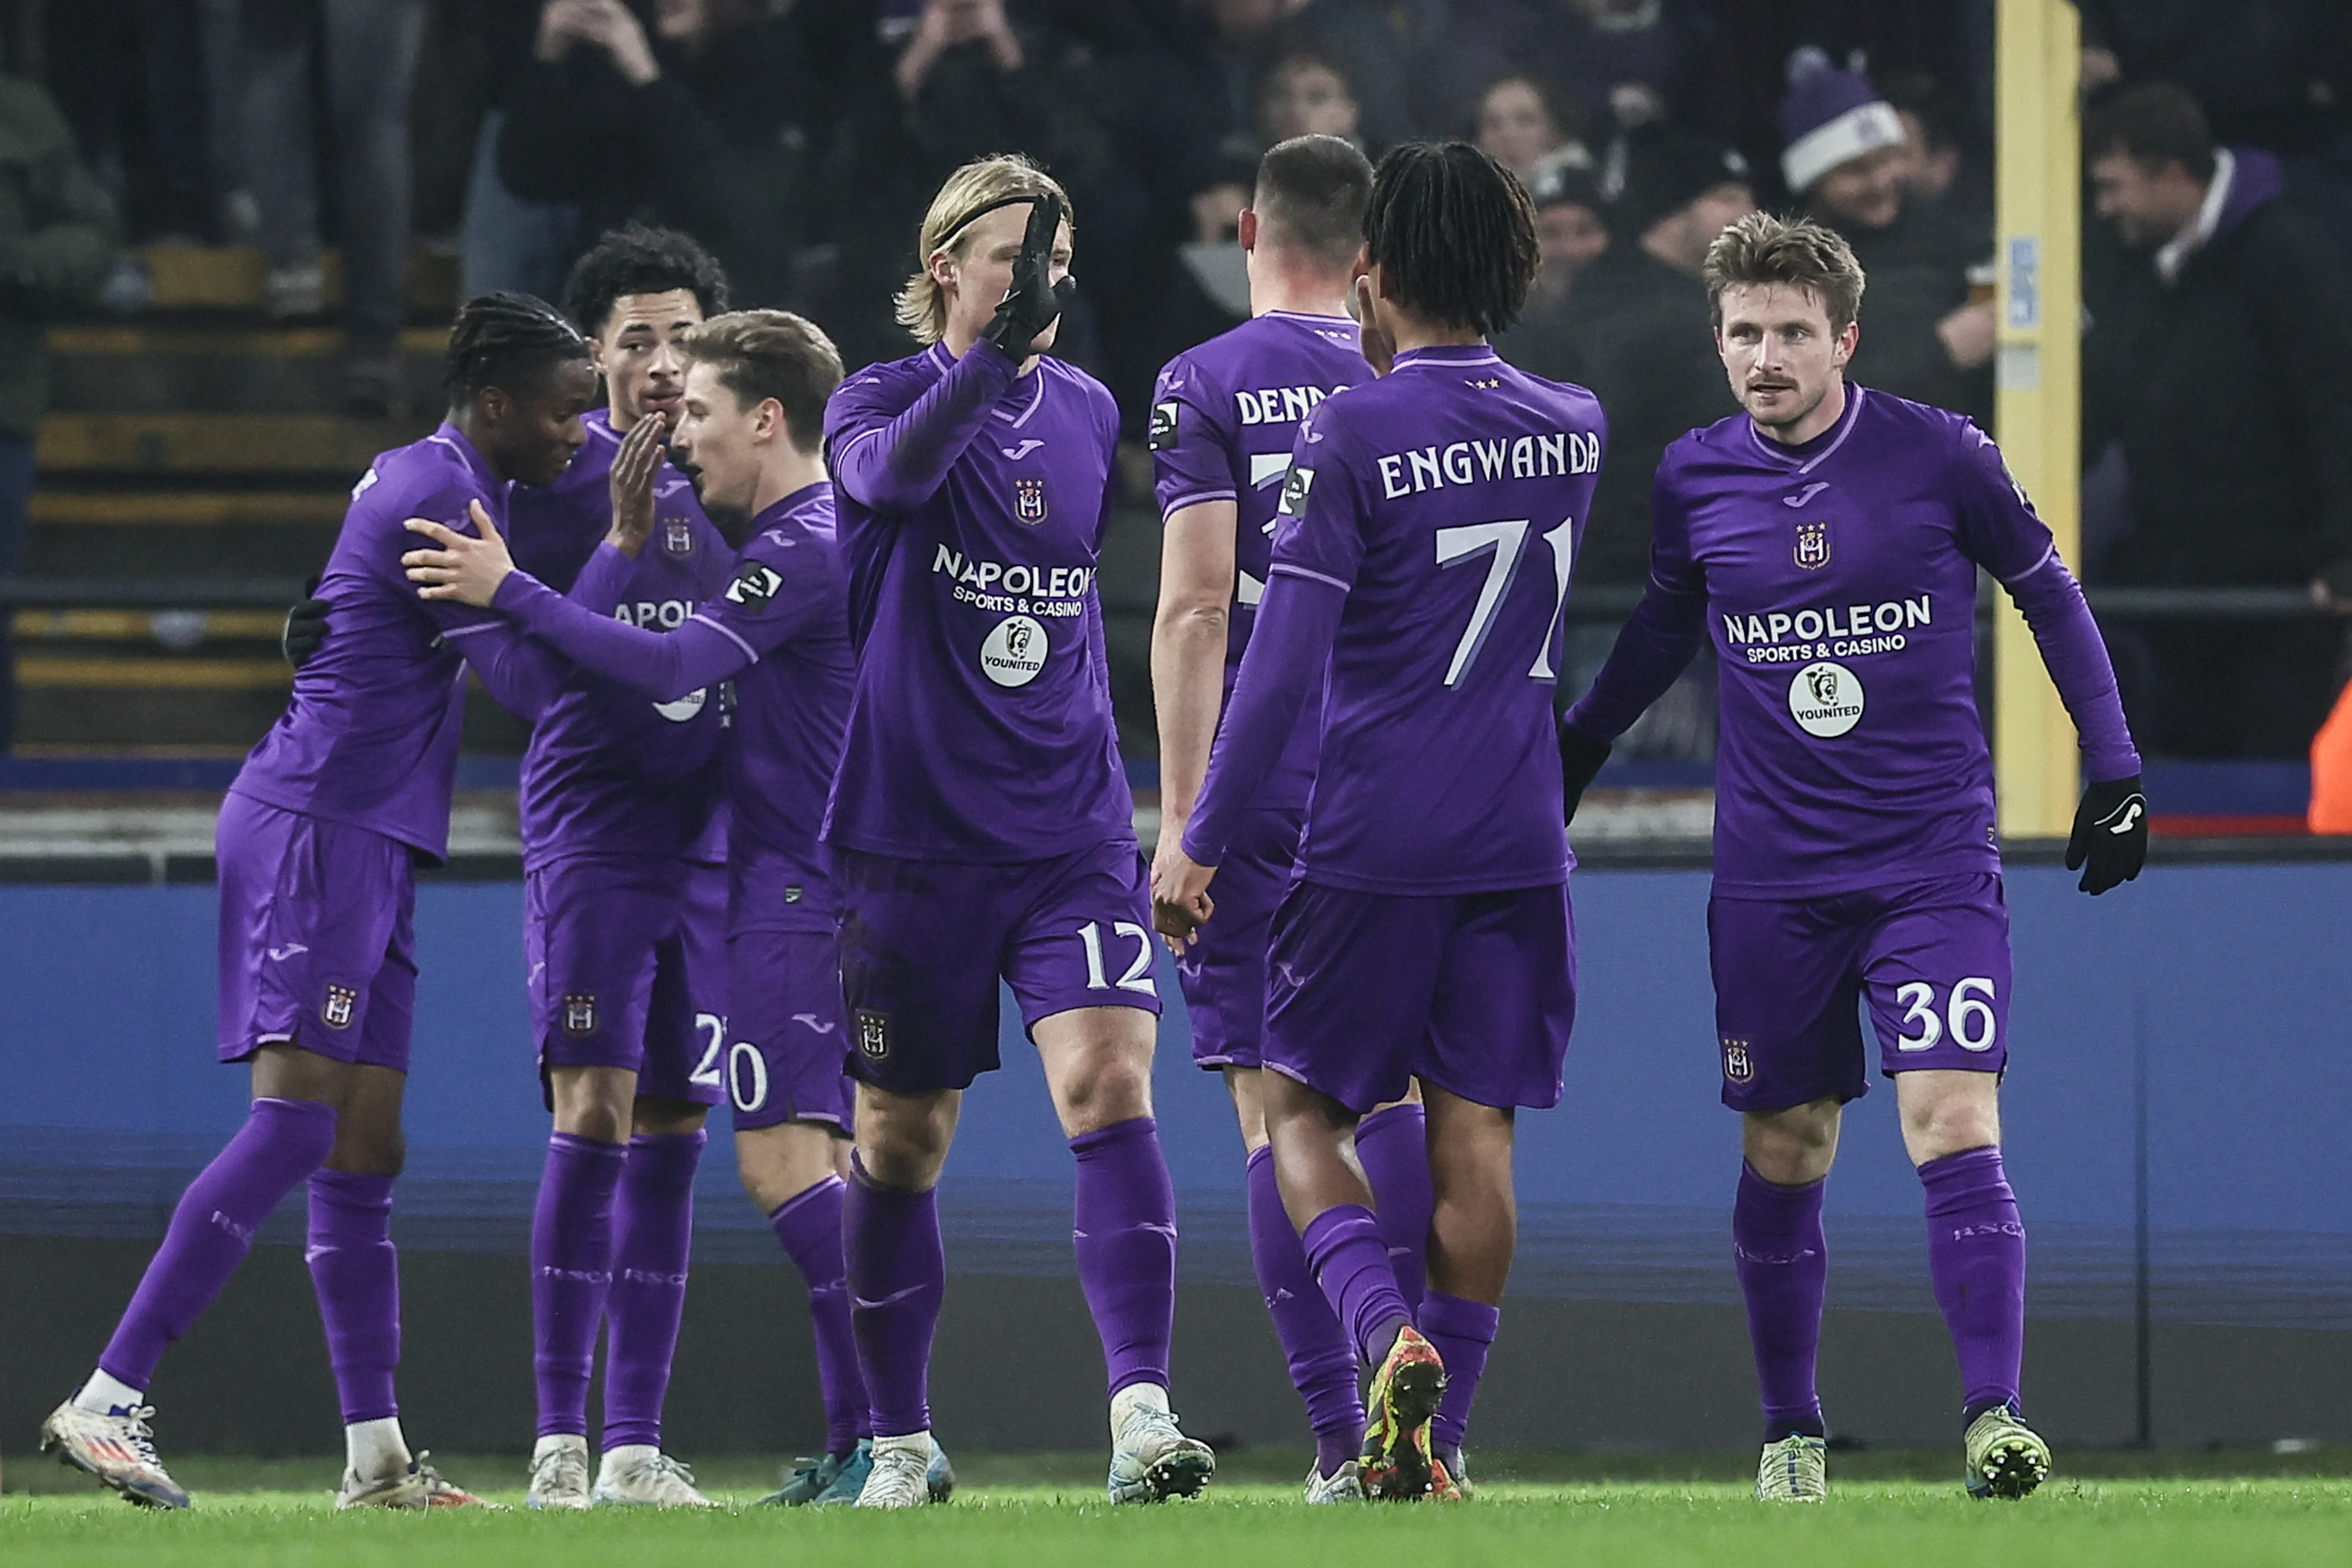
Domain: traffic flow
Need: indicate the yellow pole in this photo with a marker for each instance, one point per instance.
(2038, 408)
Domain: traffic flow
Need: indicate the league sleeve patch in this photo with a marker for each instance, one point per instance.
(753, 586)
(1295, 491)
(1164, 426)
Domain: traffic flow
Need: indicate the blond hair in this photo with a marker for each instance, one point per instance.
(1798, 254)
(982, 184)
(760, 354)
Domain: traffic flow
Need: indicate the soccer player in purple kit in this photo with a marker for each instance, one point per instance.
(1421, 559)
(1828, 538)
(1224, 418)
(748, 431)
(624, 901)
(981, 823)
(318, 838)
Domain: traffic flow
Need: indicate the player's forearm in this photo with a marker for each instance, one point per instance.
(1289, 645)
(663, 665)
(603, 580)
(1188, 689)
(2076, 656)
(898, 465)
(522, 676)
(1649, 656)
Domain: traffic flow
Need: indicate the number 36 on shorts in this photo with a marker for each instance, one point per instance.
(1966, 1013)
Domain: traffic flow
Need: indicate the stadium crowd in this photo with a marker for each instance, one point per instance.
(800, 140)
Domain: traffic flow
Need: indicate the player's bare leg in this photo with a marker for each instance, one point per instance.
(1324, 1191)
(1976, 1259)
(1782, 1263)
(1097, 1064)
(898, 1274)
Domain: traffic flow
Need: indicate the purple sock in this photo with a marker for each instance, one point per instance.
(282, 1141)
(570, 1273)
(1123, 1227)
(1783, 1264)
(897, 1273)
(653, 1234)
(1393, 1146)
(355, 1270)
(1463, 1332)
(1322, 1364)
(1976, 1256)
(810, 1227)
(1344, 1248)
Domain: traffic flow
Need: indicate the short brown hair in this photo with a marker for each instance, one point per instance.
(1796, 252)
(1311, 191)
(2152, 124)
(760, 354)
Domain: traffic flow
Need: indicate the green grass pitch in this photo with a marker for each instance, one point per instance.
(2177, 1522)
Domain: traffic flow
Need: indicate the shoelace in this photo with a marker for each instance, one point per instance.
(140, 1437)
(663, 1465)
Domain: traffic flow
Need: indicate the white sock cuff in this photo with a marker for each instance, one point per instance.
(105, 1393)
(375, 1450)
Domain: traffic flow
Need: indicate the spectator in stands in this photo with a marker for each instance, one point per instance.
(696, 122)
(1843, 156)
(1306, 92)
(1571, 236)
(369, 65)
(1630, 61)
(57, 240)
(1937, 169)
(1523, 119)
(2223, 367)
(509, 245)
(1357, 35)
(1644, 335)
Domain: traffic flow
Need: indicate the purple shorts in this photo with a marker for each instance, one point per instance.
(628, 969)
(786, 1037)
(1930, 958)
(1475, 993)
(924, 942)
(318, 941)
(1222, 974)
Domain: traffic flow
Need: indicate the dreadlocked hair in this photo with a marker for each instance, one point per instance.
(507, 341)
(1453, 232)
(638, 260)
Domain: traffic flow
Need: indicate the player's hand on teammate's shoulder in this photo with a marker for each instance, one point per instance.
(462, 570)
(635, 469)
(1181, 904)
(2110, 838)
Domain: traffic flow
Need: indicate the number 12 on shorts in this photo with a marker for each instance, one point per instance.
(1968, 1014)
(1139, 973)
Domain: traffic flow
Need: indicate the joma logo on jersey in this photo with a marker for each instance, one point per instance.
(1279, 405)
(341, 1002)
(1814, 544)
(677, 535)
(580, 1014)
(1738, 1066)
(1029, 500)
(873, 1035)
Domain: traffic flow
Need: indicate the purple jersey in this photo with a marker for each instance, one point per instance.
(1839, 580)
(1225, 417)
(779, 631)
(608, 772)
(370, 736)
(973, 503)
(1443, 501)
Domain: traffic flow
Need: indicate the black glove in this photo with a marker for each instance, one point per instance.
(2110, 834)
(1580, 757)
(1034, 301)
(305, 628)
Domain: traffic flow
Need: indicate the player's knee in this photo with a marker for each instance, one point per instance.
(367, 1152)
(1104, 1088)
